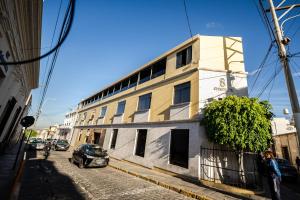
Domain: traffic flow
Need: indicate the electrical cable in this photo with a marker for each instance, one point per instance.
(262, 17)
(46, 66)
(268, 82)
(261, 66)
(187, 18)
(64, 29)
(71, 10)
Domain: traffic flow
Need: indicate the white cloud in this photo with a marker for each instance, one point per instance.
(213, 25)
(296, 74)
(254, 72)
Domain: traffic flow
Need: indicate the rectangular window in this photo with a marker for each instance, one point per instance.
(145, 75)
(114, 139)
(124, 84)
(144, 102)
(184, 57)
(182, 93)
(121, 107)
(285, 153)
(141, 142)
(103, 111)
(133, 80)
(159, 68)
(179, 149)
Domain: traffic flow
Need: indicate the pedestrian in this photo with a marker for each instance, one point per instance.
(298, 163)
(273, 174)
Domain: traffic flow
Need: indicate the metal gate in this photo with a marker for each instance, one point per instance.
(221, 165)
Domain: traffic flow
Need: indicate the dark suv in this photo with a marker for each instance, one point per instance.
(61, 145)
(90, 155)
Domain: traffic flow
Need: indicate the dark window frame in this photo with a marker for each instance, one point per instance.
(114, 138)
(141, 141)
(103, 109)
(184, 57)
(119, 112)
(142, 105)
(179, 153)
(182, 93)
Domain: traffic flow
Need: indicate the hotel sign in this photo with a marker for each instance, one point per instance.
(222, 85)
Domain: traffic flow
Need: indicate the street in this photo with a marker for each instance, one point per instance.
(57, 178)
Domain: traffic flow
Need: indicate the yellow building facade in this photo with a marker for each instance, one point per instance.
(152, 116)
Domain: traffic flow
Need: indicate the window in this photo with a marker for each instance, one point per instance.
(285, 153)
(159, 68)
(124, 84)
(141, 142)
(145, 75)
(144, 102)
(184, 57)
(179, 149)
(182, 93)
(114, 139)
(133, 81)
(103, 111)
(121, 107)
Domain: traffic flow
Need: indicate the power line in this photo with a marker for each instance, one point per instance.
(263, 19)
(268, 82)
(60, 42)
(46, 66)
(261, 66)
(187, 18)
(64, 29)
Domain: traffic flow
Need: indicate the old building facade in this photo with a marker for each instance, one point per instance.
(20, 39)
(152, 116)
(285, 140)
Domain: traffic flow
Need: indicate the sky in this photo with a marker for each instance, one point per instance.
(111, 38)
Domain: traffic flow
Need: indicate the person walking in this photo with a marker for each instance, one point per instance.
(273, 174)
(298, 163)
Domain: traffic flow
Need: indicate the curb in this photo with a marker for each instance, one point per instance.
(165, 185)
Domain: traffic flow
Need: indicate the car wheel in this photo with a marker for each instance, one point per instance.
(80, 164)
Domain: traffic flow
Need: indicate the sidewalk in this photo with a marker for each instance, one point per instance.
(7, 173)
(191, 188)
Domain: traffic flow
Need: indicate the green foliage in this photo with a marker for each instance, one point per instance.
(241, 123)
(33, 133)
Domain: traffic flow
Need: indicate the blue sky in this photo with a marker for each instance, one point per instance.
(111, 38)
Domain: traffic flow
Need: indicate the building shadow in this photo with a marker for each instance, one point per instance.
(42, 180)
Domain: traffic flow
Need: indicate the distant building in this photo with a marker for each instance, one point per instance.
(53, 132)
(67, 129)
(152, 116)
(20, 39)
(285, 139)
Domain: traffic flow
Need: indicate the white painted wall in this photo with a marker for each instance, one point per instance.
(215, 85)
(282, 126)
(157, 146)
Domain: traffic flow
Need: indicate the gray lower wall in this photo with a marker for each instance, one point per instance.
(157, 146)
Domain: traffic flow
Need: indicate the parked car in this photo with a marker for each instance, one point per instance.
(90, 155)
(288, 172)
(62, 145)
(37, 145)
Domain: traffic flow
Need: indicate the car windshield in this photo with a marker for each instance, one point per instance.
(62, 142)
(93, 150)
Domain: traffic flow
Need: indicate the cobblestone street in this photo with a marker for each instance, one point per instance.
(57, 178)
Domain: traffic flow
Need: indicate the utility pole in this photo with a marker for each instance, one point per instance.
(282, 42)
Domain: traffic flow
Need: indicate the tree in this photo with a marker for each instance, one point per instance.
(240, 123)
(31, 133)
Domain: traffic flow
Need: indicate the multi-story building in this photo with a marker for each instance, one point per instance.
(152, 116)
(68, 126)
(20, 39)
(285, 140)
